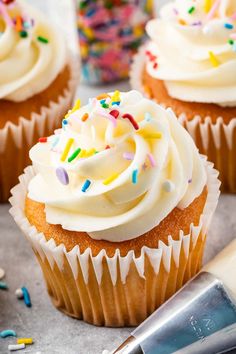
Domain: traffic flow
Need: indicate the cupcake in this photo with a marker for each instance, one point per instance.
(188, 65)
(37, 84)
(116, 206)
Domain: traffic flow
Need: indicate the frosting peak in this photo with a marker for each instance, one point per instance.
(118, 166)
(201, 37)
(32, 51)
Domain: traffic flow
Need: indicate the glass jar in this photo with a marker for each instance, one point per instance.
(110, 32)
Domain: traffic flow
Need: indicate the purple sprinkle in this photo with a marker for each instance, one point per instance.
(176, 12)
(62, 175)
(198, 23)
(128, 155)
(190, 180)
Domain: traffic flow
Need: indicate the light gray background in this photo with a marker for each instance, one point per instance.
(52, 331)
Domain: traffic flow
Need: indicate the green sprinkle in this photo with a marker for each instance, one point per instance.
(105, 105)
(231, 41)
(23, 34)
(42, 39)
(191, 10)
(74, 155)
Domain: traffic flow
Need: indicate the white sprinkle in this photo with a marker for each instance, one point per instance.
(207, 30)
(105, 352)
(19, 293)
(168, 186)
(2, 273)
(13, 347)
(93, 132)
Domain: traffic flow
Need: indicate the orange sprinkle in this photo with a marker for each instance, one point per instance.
(182, 22)
(18, 23)
(84, 117)
(102, 96)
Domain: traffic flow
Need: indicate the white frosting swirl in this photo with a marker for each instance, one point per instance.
(182, 43)
(27, 65)
(170, 170)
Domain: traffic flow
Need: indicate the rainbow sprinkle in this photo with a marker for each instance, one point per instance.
(84, 117)
(25, 341)
(131, 119)
(86, 185)
(207, 5)
(42, 39)
(191, 10)
(110, 179)
(228, 26)
(213, 9)
(74, 155)
(128, 156)
(151, 159)
(135, 176)
(67, 149)
(157, 135)
(213, 59)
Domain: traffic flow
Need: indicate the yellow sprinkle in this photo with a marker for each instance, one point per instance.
(214, 61)
(110, 179)
(82, 154)
(138, 31)
(88, 32)
(67, 149)
(207, 5)
(116, 96)
(90, 152)
(152, 135)
(25, 341)
(77, 105)
(75, 108)
(149, 6)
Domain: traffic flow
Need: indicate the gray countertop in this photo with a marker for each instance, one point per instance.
(52, 331)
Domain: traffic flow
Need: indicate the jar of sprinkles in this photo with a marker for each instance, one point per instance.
(110, 32)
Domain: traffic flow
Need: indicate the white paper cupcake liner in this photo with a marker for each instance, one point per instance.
(116, 291)
(216, 140)
(16, 140)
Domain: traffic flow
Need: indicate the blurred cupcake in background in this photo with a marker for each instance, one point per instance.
(110, 32)
(116, 206)
(189, 65)
(37, 84)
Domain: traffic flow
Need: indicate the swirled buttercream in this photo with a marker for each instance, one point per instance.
(118, 166)
(193, 50)
(32, 52)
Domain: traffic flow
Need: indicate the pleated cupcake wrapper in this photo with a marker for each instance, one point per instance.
(216, 140)
(116, 291)
(16, 140)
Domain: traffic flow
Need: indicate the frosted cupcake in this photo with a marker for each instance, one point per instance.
(116, 207)
(37, 84)
(188, 66)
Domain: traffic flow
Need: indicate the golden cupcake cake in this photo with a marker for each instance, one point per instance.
(189, 65)
(37, 84)
(116, 205)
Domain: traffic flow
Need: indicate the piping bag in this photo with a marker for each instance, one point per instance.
(200, 318)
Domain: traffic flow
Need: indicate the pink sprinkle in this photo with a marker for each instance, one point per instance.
(6, 16)
(233, 17)
(233, 36)
(105, 114)
(151, 159)
(213, 9)
(128, 156)
(176, 12)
